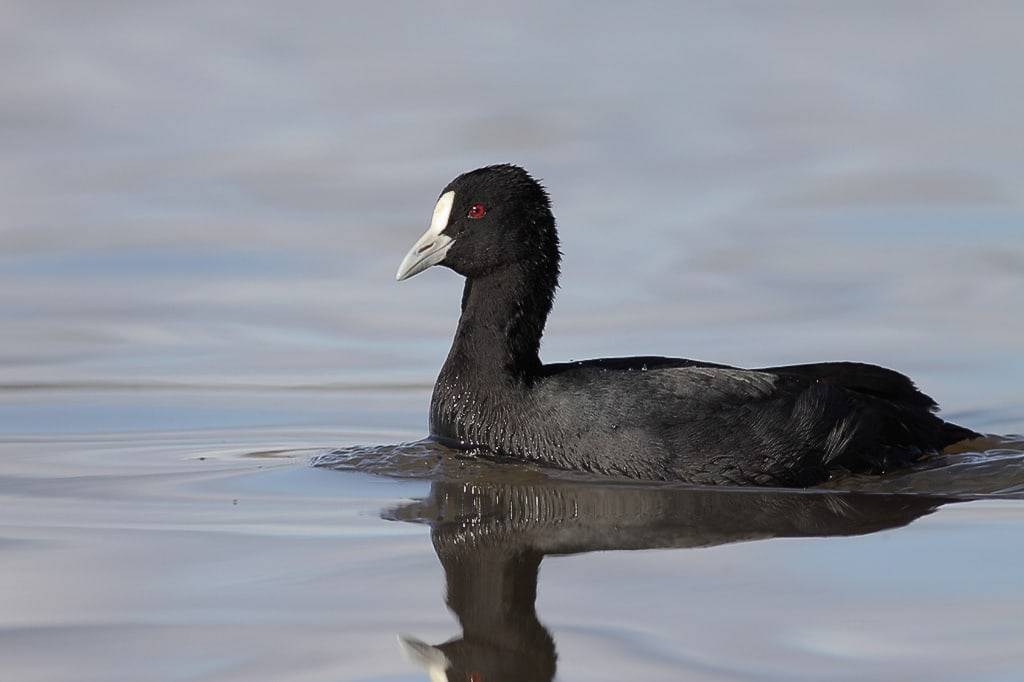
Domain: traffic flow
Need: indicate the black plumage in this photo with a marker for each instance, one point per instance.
(640, 417)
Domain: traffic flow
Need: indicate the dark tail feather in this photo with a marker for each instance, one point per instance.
(871, 380)
(954, 433)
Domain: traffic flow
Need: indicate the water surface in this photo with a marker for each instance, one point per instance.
(203, 210)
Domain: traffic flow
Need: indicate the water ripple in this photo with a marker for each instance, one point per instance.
(993, 465)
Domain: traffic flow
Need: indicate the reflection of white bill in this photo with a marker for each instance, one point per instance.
(429, 657)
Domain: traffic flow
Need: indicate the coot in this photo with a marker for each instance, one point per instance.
(652, 418)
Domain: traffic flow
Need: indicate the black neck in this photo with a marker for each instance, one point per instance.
(503, 316)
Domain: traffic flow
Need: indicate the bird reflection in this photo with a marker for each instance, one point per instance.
(491, 538)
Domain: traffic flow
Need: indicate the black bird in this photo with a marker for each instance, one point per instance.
(650, 418)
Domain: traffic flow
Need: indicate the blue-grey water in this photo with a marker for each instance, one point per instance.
(203, 206)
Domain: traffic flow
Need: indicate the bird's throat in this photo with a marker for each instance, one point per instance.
(499, 332)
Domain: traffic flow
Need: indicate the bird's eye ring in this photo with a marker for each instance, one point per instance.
(476, 211)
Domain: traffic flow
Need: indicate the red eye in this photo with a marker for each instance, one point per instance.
(477, 211)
